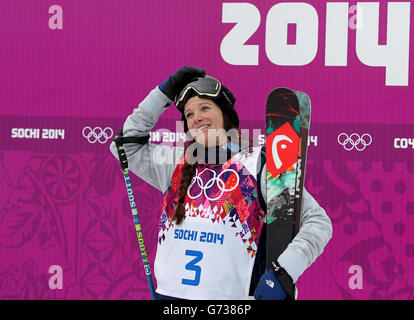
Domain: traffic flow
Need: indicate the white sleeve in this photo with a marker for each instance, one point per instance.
(315, 231)
(153, 163)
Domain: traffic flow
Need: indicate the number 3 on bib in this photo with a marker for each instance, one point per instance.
(193, 267)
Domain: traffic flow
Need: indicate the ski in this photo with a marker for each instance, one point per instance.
(282, 147)
(305, 113)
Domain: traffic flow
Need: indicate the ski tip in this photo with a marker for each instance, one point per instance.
(305, 108)
(282, 100)
(303, 96)
(281, 90)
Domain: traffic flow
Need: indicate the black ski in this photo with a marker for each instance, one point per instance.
(282, 151)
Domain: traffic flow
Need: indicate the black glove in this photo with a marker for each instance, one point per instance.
(177, 81)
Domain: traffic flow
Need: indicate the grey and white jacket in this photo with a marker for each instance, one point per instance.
(155, 164)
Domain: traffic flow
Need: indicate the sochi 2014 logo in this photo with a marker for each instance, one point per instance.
(354, 141)
(282, 149)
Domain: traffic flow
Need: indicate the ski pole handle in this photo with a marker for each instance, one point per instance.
(141, 244)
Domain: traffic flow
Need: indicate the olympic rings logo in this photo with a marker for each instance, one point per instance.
(214, 181)
(354, 141)
(97, 134)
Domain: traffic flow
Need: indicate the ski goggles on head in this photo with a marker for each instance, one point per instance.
(207, 87)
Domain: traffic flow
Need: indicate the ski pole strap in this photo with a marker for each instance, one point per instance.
(119, 140)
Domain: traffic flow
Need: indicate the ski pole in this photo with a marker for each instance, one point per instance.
(119, 141)
(141, 244)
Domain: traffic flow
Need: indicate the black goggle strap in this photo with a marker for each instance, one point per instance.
(227, 98)
(119, 140)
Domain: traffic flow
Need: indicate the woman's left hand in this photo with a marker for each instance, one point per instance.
(269, 288)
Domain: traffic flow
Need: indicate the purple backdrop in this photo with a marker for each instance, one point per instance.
(63, 202)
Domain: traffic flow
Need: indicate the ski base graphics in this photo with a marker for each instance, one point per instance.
(287, 127)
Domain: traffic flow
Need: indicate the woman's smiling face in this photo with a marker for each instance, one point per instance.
(205, 121)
